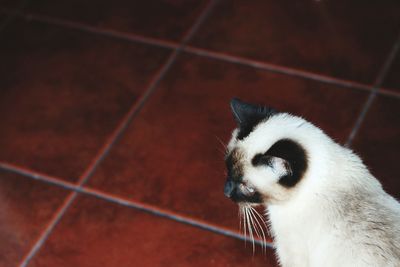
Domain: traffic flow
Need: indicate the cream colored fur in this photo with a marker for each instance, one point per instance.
(337, 215)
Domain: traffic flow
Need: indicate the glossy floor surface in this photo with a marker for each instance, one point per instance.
(114, 116)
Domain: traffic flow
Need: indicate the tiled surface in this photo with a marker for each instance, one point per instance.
(26, 206)
(138, 239)
(344, 39)
(64, 92)
(70, 90)
(378, 142)
(171, 153)
(168, 19)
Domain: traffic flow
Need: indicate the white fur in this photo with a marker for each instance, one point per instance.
(337, 215)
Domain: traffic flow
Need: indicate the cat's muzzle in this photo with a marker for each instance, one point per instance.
(240, 192)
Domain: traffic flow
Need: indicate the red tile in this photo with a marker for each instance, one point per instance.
(26, 208)
(378, 142)
(63, 92)
(168, 19)
(344, 39)
(97, 233)
(171, 157)
(392, 79)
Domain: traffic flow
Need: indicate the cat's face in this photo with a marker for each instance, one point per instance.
(264, 164)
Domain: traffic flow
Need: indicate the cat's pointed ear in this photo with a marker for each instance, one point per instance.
(245, 112)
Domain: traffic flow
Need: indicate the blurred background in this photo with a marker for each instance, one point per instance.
(114, 116)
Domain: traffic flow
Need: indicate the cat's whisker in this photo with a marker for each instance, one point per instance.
(263, 237)
(254, 226)
(244, 224)
(222, 151)
(221, 142)
(262, 219)
(224, 146)
(240, 218)
(251, 235)
(264, 230)
(257, 227)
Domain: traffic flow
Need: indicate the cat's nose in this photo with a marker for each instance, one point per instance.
(229, 188)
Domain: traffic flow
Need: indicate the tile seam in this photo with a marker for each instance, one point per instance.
(376, 88)
(389, 93)
(135, 38)
(57, 216)
(125, 122)
(266, 66)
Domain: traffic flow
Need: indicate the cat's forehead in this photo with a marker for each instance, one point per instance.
(266, 133)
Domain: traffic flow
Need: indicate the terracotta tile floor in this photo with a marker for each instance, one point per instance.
(113, 114)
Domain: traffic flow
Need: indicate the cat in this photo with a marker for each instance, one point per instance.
(324, 208)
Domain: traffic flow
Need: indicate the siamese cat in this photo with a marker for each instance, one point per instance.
(324, 208)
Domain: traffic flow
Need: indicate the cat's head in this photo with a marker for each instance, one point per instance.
(265, 159)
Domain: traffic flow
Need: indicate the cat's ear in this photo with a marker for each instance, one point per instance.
(290, 161)
(245, 113)
(281, 166)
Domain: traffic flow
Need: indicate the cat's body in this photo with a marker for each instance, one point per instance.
(324, 206)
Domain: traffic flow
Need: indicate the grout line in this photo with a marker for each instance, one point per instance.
(92, 30)
(200, 19)
(119, 201)
(377, 84)
(170, 215)
(106, 32)
(387, 64)
(48, 229)
(115, 136)
(37, 175)
(360, 118)
(136, 107)
(277, 68)
(389, 92)
(193, 50)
